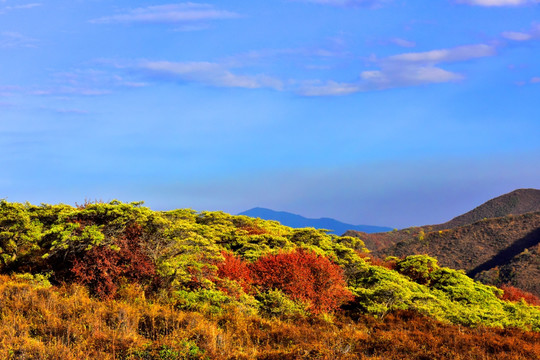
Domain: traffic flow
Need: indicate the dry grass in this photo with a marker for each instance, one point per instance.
(66, 323)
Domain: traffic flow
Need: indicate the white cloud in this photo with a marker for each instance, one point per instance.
(19, 7)
(404, 70)
(69, 90)
(535, 80)
(64, 111)
(207, 73)
(533, 33)
(399, 75)
(403, 42)
(516, 36)
(25, 6)
(498, 2)
(169, 14)
(459, 53)
(6, 91)
(330, 88)
(10, 39)
(85, 82)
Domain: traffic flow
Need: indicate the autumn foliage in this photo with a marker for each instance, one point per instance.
(514, 294)
(234, 268)
(102, 267)
(304, 276)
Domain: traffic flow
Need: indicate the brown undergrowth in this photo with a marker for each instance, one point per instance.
(38, 322)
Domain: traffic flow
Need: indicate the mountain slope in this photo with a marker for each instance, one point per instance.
(497, 242)
(297, 221)
(517, 202)
(479, 247)
(522, 271)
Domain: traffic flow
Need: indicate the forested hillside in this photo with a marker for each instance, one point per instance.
(120, 281)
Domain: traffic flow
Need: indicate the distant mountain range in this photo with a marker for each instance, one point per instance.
(297, 221)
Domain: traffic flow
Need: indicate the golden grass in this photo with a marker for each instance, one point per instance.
(66, 323)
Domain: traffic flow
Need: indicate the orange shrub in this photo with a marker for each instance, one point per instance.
(235, 268)
(305, 276)
(514, 294)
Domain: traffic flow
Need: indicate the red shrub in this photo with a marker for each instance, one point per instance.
(514, 294)
(235, 269)
(373, 260)
(305, 276)
(101, 268)
(254, 230)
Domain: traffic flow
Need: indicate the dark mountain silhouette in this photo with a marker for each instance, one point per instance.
(297, 221)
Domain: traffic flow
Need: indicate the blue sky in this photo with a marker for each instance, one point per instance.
(381, 112)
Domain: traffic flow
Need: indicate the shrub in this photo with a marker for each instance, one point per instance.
(274, 303)
(303, 276)
(236, 269)
(418, 268)
(102, 267)
(514, 294)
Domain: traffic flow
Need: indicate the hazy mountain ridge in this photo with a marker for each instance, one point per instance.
(298, 221)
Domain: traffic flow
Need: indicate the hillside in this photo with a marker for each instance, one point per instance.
(522, 271)
(517, 202)
(297, 221)
(120, 281)
(481, 246)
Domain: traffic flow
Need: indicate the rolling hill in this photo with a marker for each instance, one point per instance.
(497, 242)
(517, 202)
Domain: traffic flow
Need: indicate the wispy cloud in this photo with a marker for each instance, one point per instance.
(403, 42)
(401, 70)
(206, 73)
(10, 39)
(535, 80)
(492, 3)
(64, 111)
(329, 88)
(531, 34)
(6, 9)
(404, 70)
(86, 82)
(347, 3)
(459, 53)
(184, 13)
(69, 90)
(6, 91)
